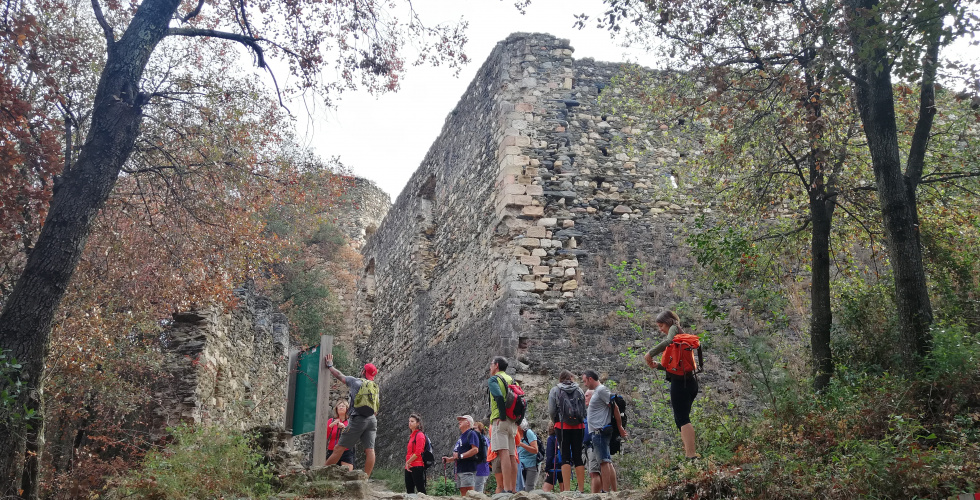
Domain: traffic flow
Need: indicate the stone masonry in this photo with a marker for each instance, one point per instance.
(229, 367)
(502, 239)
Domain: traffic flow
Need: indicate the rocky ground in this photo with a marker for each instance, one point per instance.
(336, 482)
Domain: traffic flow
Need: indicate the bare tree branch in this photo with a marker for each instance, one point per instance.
(250, 42)
(192, 14)
(110, 37)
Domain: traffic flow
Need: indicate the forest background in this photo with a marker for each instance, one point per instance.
(143, 174)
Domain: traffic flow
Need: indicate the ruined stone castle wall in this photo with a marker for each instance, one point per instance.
(229, 367)
(502, 240)
(361, 209)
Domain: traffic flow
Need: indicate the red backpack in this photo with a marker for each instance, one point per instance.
(678, 358)
(515, 403)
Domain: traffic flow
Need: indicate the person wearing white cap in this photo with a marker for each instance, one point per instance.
(466, 454)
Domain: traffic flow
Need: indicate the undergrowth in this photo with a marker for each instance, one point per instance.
(200, 462)
(869, 435)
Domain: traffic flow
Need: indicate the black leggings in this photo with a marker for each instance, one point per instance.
(415, 479)
(570, 444)
(683, 390)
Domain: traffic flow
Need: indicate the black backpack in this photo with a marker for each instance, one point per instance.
(617, 403)
(428, 459)
(571, 409)
(481, 455)
(540, 457)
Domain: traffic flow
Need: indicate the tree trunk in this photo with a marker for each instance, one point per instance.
(821, 317)
(876, 105)
(25, 323)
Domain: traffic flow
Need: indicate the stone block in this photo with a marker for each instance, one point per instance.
(569, 286)
(509, 160)
(567, 223)
(515, 140)
(532, 170)
(570, 271)
(547, 221)
(514, 189)
(521, 286)
(524, 179)
(511, 150)
(534, 190)
(530, 260)
(529, 242)
(622, 209)
(516, 200)
(539, 252)
(524, 107)
(567, 84)
(540, 270)
(536, 232)
(568, 263)
(540, 286)
(557, 271)
(533, 211)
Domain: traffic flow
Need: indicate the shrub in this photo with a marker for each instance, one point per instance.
(201, 462)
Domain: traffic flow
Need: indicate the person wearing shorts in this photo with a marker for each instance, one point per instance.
(361, 427)
(603, 422)
(482, 468)
(502, 432)
(465, 454)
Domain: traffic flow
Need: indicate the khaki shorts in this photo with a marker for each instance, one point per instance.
(495, 465)
(502, 434)
(360, 429)
(592, 461)
(466, 480)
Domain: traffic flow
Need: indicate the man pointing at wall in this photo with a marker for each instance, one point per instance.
(364, 404)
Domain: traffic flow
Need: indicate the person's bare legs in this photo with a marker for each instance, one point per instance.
(508, 466)
(500, 482)
(596, 482)
(608, 476)
(464, 491)
(335, 456)
(580, 474)
(368, 461)
(688, 437)
(566, 477)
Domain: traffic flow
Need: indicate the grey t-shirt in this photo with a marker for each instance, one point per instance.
(353, 385)
(598, 412)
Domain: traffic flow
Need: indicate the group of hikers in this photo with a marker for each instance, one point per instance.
(585, 426)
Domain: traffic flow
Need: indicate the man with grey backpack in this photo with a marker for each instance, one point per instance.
(566, 407)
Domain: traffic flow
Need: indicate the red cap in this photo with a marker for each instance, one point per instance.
(370, 371)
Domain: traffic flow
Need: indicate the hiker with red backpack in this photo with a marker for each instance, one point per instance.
(507, 407)
(566, 407)
(681, 370)
(414, 465)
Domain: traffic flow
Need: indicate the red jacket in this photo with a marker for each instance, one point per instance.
(416, 445)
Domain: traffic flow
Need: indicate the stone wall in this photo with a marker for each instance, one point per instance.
(229, 367)
(361, 209)
(502, 239)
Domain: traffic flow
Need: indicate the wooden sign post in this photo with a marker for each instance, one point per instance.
(291, 390)
(323, 406)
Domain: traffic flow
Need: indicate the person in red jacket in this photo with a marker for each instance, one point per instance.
(335, 427)
(414, 467)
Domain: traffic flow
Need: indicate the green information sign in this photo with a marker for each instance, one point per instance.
(304, 404)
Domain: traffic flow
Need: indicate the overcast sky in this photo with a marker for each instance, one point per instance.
(385, 139)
